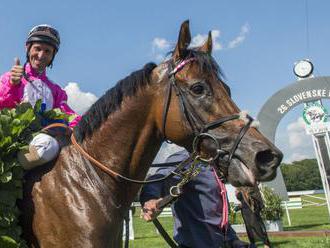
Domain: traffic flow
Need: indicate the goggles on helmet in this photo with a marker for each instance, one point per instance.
(44, 33)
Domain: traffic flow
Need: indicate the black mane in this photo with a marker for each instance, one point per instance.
(111, 101)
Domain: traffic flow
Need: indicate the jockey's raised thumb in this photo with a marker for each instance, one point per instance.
(16, 72)
(17, 62)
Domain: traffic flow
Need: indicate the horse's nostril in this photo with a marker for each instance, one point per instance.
(264, 158)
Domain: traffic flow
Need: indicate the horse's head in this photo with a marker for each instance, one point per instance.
(195, 110)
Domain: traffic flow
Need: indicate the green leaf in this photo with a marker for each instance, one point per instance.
(6, 177)
(37, 106)
(7, 242)
(5, 124)
(2, 167)
(8, 198)
(56, 114)
(5, 119)
(71, 118)
(5, 142)
(23, 107)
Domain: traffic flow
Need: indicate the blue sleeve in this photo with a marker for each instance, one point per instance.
(158, 189)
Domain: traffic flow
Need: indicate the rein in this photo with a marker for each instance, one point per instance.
(112, 173)
(105, 169)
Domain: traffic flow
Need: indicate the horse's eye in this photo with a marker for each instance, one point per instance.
(197, 89)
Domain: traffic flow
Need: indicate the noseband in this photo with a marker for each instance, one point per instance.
(196, 123)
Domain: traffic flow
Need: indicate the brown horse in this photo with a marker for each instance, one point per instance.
(73, 204)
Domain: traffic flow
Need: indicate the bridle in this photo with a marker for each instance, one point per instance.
(200, 130)
(196, 123)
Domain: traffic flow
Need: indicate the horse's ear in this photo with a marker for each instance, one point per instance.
(207, 46)
(183, 41)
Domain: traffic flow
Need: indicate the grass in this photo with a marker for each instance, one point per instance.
(146, 235)
(294, 242)
(307, 218)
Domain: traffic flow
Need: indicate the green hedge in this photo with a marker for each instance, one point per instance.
(17, 127)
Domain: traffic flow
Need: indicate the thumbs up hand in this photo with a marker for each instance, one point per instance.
(16, 72)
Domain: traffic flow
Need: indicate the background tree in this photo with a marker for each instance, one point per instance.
(302, 175)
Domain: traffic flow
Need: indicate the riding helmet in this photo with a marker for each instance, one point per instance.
(44, 33)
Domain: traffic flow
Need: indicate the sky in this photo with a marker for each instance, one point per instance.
(256, 43)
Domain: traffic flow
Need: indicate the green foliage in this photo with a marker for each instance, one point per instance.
(7, 242)
(272, 207)
(273, 210)
(235, 216)
(17, 127)
(302, 175)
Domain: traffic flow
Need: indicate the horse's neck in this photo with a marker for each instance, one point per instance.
(126, 143)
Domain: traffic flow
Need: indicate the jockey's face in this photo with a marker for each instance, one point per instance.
(40, 55)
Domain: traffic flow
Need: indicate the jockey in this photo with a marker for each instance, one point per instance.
(29, 83)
